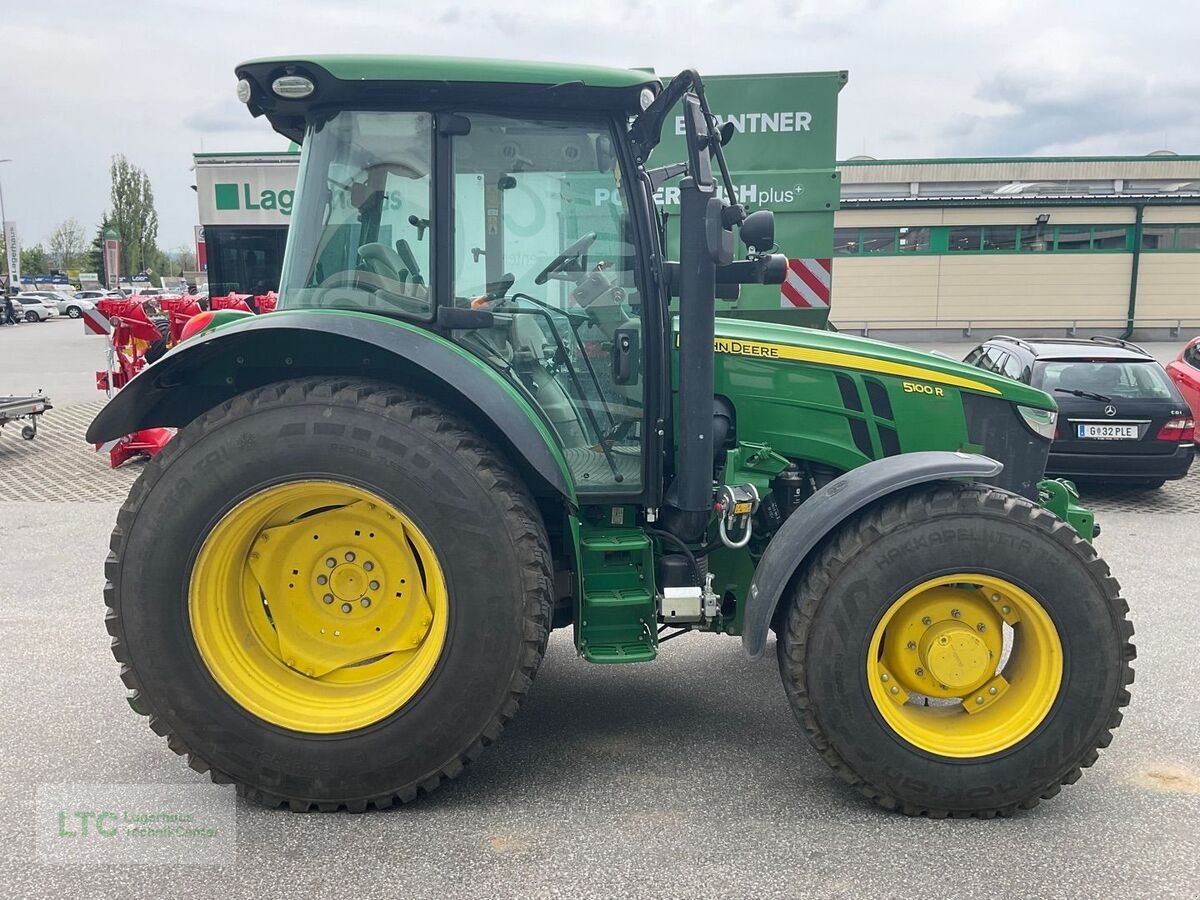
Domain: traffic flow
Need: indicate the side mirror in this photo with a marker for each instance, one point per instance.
(718, 235)
(758, 231)
(727, 131)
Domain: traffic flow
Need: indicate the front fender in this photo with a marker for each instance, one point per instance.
(828, 508)
(217, 365)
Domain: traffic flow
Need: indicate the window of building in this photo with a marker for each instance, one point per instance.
(1158, 237)
(1000, 238)
(1073, 237)
(1187, 237)
(878, 240)
(1030, 238)
(845, 241)
(964, 238)
(1110, 237)
(1036, 238)
(914, 240)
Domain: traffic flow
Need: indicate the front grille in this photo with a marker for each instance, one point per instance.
(995, 426)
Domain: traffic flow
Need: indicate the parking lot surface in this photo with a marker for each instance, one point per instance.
(682, 777)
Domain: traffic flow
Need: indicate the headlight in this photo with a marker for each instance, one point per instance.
(292, 87)
(1040, 421)
(243, 90)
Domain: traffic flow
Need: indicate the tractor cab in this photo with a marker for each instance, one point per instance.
(527, 235)
(518, 245)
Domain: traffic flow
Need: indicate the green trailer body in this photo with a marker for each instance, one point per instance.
(782, 157)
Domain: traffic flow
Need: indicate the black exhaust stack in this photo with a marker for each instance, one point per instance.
(705, 241)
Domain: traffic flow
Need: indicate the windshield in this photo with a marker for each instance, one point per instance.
(1108, 377)
(364, 196)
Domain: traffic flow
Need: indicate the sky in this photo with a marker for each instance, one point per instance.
(81, 81)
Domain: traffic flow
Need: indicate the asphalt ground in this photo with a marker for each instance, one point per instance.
(683, 777)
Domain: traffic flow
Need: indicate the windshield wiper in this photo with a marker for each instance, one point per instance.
(1091, 395)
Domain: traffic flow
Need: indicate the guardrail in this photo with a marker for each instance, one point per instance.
(1069, 325)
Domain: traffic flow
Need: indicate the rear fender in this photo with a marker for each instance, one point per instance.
(217, 365)
(827, 509)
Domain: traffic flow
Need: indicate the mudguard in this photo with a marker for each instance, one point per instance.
(216, 365)
(828, 508)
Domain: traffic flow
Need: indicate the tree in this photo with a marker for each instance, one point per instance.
(134, 215)
(94, 259)
(183, 259)
(67, 243)
(35, 260)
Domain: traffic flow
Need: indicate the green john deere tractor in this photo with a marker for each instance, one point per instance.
(475, 418)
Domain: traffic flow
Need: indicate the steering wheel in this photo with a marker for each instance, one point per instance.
(559, 263)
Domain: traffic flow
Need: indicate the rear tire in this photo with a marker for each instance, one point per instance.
(469, 522)
(31, 317)
(836, 676)
(74, 312)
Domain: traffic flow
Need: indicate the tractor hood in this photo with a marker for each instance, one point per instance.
(830, 349)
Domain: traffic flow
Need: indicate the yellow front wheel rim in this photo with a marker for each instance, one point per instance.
(318, 606)
(965, 665)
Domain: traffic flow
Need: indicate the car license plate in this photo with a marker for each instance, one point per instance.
(1109, 432)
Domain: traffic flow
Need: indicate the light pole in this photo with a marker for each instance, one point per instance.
(3, 220)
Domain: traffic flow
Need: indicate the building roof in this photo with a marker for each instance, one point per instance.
(1162, 177)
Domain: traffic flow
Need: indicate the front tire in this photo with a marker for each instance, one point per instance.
(957, 651)
(74, 312)
(342, 686)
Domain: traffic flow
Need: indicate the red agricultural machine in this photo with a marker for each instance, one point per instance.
(142, 330)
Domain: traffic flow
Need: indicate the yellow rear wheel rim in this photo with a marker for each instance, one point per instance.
(950, 678)
(318, 606)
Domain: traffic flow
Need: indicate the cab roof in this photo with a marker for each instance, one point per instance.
(344, 82)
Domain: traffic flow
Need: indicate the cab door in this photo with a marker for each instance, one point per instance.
(543, 238)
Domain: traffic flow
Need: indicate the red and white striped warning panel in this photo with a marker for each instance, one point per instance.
(807, 284)
(95, 322)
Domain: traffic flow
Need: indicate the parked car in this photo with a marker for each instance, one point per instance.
(71, 305)
(1120, 417)
(1185, 372)
(41, 298)
(34, 309)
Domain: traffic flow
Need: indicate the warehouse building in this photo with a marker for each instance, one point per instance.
(245, 204)
(1094, 244)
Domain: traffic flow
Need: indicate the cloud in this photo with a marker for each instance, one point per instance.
(83, 81)
(1065, 91)
(218, 118)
